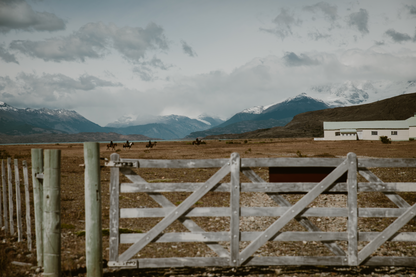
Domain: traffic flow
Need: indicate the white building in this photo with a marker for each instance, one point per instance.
(396, 130)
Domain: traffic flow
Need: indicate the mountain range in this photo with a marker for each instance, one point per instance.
(35, 123)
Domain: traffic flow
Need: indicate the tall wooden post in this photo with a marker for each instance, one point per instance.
(114, 209)
(27, 199)
(18, 201)
(3, 182)
(93, 229)
(52, 213)
(37, 168)
(9, 180)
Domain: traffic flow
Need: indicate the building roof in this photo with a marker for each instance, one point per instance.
(379, 124)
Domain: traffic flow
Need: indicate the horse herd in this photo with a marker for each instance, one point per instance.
(128, 145)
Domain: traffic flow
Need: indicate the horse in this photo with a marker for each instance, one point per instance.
(113, 146)
(197, 142)
(150, 144)
(125, 145)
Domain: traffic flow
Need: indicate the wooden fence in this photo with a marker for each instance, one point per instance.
(11, 198)
(286, 212)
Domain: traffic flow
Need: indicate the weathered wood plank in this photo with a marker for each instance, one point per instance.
(185, 163)
(260, 211)
(270, 261)
(176, 213)
(27, 200)
(266, 187)
(114, 209)
(391, 162)
(352, 226)
(9, 180)
(293, 212)
(387, 233)
(396, 199)
(18, 201)
(235, 209)
(250, 236)
(306, 223)
(165, 203)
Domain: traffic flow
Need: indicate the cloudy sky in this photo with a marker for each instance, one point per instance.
(106, 59)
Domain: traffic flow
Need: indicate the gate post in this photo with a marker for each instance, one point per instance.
(37, 168)
(114, 209)
(93, 230)
(52, 213)
(235, 210)
(352, 206)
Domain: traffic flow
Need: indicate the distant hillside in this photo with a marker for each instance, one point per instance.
(264, 117)
(310, 124)
(80, 137)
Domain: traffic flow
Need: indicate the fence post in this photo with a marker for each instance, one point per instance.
(3, 181)
(52, 213)
(235, 210)
(37, 167)
(18, 201)
(352, 206)
(2, 193)
(9, 180)
(27, 199)
(93, 229)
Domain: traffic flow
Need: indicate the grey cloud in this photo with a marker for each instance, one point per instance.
(412, 9)
(359, 20)
(145, 69)
(19, 15)
(329, 10)
(291, 59)
(188, 49)
(397, 37)
(6, 56)
(317, 35)
(48, 87)
(95, 40)
(284, 23)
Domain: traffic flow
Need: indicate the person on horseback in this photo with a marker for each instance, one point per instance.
(111, 144)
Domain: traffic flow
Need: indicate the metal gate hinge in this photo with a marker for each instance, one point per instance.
(122, 164)
(132, 264)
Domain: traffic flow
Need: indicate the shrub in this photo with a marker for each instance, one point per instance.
(411, 139)
(245, 141)
(385, 139)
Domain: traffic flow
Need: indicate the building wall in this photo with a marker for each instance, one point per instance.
(401, 134)
(330, 135)
(367, 135)
(412, 132)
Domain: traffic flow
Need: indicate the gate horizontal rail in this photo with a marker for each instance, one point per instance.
(284, 213)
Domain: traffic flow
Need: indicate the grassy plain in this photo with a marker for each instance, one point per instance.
(72, 193)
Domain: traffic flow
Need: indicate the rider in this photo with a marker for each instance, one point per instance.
(111, 144)
(127, 142)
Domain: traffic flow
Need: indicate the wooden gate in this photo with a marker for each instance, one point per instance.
(285, 212)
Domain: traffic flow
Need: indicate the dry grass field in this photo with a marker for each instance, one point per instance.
(73, 214)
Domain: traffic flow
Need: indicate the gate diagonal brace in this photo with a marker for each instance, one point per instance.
(175, 214)
(305, 222)
(294, 211)
(165, 203)
(386, 234)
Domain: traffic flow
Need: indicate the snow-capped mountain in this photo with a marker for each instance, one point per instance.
(261, 117)
(360, 92)
(16, 121)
